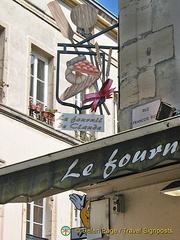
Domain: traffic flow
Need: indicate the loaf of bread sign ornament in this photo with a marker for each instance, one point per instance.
(79, 65)
(79, 81)
(86, 67)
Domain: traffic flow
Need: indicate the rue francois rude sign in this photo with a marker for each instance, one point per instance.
(79, 122)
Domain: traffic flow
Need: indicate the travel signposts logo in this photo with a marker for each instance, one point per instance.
(65, 231)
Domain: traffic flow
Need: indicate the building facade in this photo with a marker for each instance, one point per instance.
(124, 175)
(28, 66)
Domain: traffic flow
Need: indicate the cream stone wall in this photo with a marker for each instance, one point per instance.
(149, 214)
(149, 56)
(21, 143)
(13, 218)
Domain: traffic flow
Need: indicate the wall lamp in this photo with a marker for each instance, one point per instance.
(165, 111)
(173, 189)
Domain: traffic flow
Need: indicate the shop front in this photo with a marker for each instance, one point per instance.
(122, 175)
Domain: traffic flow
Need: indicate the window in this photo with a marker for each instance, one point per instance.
(39, 79)
(35, 221)
(2, 41)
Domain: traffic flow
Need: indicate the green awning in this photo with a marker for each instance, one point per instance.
(128, 152)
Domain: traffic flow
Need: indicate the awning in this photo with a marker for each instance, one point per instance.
(128, 152)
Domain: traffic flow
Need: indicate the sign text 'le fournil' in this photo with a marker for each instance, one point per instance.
(112, 162)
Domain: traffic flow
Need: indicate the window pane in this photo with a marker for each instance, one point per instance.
(31, 86)
(40, 91)
(28, 211)
(2, 41)
(40, 70)
(37, 230)
(32, 65)
(38, 214)
(27, 227)
(39, 202)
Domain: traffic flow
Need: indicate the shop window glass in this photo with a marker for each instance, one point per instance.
(35, 220)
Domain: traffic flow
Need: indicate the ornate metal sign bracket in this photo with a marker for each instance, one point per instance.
(59, 52)
(90, 52)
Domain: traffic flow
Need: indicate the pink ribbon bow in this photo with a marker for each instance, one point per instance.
(105, 91)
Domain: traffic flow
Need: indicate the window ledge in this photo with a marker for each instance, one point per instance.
(38, 125)
(31, 237)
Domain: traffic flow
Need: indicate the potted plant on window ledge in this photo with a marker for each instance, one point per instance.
(32, 106)
(49, 113)
(44, 114)
(38, 106)
(2, 85)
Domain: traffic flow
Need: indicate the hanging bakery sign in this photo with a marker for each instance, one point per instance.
(86, 73)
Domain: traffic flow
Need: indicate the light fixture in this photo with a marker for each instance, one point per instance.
(173, 189)
(165, 111)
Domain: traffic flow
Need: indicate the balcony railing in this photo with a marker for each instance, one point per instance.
(31, 237)
(38, 115)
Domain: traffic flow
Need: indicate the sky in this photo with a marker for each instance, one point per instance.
(111, 5)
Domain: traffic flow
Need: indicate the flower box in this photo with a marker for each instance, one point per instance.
(32, 106)
(38, 108)
(44, 114)
(50, 116)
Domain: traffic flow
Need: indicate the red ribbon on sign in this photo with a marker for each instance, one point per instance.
(105, 91)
